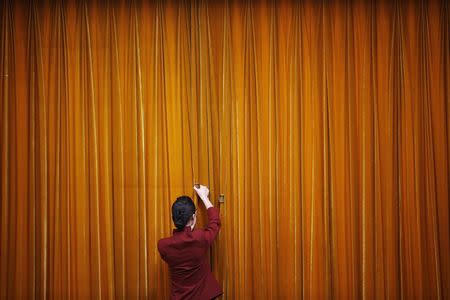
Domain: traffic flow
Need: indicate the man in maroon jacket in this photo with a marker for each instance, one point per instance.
(186, 250)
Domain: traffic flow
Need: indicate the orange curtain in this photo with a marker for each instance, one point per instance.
(326, 125)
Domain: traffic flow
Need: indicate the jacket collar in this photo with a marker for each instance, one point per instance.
(185, 229)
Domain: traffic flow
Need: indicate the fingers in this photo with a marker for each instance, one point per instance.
(202, 190)
(199, 187)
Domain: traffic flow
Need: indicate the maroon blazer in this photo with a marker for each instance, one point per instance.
(186, 254)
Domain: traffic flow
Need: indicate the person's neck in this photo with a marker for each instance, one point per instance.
(191, 225)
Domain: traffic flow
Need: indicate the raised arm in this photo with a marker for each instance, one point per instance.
(213, 227)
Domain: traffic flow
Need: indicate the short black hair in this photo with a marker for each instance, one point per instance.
(182, 210)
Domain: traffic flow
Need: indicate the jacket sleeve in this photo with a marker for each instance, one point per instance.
(213, 227)
(160, 250)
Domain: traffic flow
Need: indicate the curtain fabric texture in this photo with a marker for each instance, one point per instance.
(324, 124)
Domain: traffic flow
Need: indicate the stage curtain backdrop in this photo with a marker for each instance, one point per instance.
(325, 124)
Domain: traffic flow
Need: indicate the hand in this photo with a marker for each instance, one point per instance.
(202, 192)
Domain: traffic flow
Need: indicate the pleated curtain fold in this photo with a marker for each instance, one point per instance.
(324, 123)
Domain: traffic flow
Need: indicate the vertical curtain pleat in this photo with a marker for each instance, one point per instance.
(325, 125)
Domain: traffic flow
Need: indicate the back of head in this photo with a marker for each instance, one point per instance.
(182, 210)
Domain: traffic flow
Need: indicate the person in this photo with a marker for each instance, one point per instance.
(186, 250)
